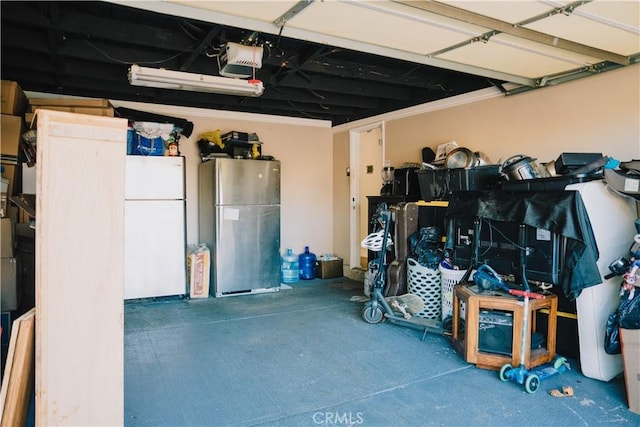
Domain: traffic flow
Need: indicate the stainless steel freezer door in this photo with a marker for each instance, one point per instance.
(154, 177)
(247, 255)
(154, 248)
(247, 182)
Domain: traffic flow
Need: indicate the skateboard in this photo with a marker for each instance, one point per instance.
(407, 304)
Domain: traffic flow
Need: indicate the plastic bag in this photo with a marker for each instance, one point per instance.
(612, 335)
(629, 310)
(627, 316)
(425, 251)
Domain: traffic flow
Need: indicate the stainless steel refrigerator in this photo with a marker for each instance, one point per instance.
(155, 233)
(239, 220)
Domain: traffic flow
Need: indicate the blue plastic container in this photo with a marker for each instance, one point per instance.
(307, 262)
(289, 267)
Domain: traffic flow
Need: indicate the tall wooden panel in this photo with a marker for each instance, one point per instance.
(79, 269)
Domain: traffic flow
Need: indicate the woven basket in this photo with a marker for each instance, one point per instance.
(450, 278)
(425, 282)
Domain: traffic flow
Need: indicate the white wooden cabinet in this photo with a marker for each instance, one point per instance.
(79, 269)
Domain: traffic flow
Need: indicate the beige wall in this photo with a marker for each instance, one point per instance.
(305, 150)
(341, 195)
(596, 114)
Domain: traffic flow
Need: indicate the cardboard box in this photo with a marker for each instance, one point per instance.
(7, 238)
(29, 179)
(198, 268)
(630, 340)
(10, 136)
(13, 99)
(70, 102)
(27, 205)
(329, 269)
(8, 284)
(13, 212)
(9, 173)
(94, 111)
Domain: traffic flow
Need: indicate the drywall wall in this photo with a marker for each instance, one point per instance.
(341, 182)
(305, 150)
(370, 176)
(600, 114)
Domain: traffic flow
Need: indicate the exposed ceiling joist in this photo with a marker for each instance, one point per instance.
(516, 30)
(269, 27)
(293, 11)
(337, 60)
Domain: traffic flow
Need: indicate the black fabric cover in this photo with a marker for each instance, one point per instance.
(562, 212)
(143, 116)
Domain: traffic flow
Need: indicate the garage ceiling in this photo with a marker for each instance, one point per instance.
(339, 60)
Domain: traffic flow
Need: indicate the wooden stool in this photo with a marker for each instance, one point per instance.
(466, 343)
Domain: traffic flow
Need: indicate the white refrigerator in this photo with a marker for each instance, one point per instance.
(154, 227)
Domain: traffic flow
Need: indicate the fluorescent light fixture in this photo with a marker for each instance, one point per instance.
(167, 79)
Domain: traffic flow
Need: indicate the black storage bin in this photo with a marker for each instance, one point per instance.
(568, 162)
(438, 184)
(546, 184)
(405, 182)
(433, 184)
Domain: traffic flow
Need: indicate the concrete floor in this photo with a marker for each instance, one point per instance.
(304, 357)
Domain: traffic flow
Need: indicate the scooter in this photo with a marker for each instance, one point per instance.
(530, 377)
(397, 309)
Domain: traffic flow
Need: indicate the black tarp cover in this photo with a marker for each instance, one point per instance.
(143, 116)
(562, 212)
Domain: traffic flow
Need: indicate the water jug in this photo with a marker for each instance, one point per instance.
(307, 262)
(289, 268)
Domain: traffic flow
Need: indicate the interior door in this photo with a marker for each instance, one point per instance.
(366, 151)
(370, 180)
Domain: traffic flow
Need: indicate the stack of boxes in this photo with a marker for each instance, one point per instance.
(94, 107)
(8, 267)
(18, 184)
(11, 125)
(12, 107)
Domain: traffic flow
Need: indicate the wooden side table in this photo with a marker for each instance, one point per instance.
(466, 343)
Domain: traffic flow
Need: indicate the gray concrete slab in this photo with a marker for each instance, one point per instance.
(304, 357)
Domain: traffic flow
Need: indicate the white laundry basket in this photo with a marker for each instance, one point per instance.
(425, 282)
(450, 278)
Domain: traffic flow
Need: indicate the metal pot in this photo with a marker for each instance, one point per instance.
(460, 157)
(520, 167)
(551, 168)
(482, 159)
